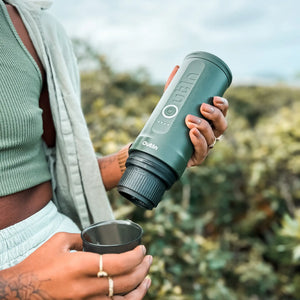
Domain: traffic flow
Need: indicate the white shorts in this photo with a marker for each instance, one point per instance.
(20, 240)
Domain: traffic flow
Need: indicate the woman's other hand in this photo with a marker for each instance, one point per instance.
(54, 272)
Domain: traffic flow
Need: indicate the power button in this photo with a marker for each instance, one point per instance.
(170, 111)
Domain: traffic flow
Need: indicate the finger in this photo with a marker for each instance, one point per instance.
(203, 127)
(200, 147)
(113, 264)
(136, 294)
(74, 242)
(122, 284)
(64, 241)
(128, 282)
(139, 292)
(213, 114)
(171, 76)
(221, 104)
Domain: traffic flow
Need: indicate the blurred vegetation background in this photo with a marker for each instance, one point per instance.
(229, 229)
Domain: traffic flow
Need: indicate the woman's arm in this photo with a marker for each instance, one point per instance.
(112, 167)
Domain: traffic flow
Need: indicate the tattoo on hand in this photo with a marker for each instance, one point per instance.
(23, 286)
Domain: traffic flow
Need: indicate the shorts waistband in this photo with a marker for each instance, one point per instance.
(20, 240)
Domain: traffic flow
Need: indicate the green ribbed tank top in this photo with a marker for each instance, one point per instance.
(22, 159)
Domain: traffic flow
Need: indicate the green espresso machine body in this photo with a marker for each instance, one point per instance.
(160, 153)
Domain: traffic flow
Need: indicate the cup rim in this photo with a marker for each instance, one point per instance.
(124, 222)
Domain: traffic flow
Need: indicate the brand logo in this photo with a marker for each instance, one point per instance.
(150, 145)
(184, 87)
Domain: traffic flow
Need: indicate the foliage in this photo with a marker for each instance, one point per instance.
(229, 229)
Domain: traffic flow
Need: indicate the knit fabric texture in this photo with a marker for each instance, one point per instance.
(22, 159)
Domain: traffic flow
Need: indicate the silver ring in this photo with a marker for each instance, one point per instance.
(110, 287)
(212, 145)
(101, 273)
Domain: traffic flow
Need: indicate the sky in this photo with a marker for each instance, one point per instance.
(258, 39)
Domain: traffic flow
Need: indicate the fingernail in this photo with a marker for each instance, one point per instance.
(208, 108)
(148, 281)
(144, 249)
(194, 119)
(220, 100)
(150, 259)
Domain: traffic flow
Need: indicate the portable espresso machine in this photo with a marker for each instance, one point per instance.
(160, 153)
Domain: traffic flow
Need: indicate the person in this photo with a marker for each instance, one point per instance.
(52, 184)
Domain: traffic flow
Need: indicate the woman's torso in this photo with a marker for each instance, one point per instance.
(16, 207)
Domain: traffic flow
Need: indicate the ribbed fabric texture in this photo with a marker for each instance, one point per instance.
(22, 159)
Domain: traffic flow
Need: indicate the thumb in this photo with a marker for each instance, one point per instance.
(66, 241)
(74, 242)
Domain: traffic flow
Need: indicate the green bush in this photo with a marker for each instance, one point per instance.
(230, 228)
